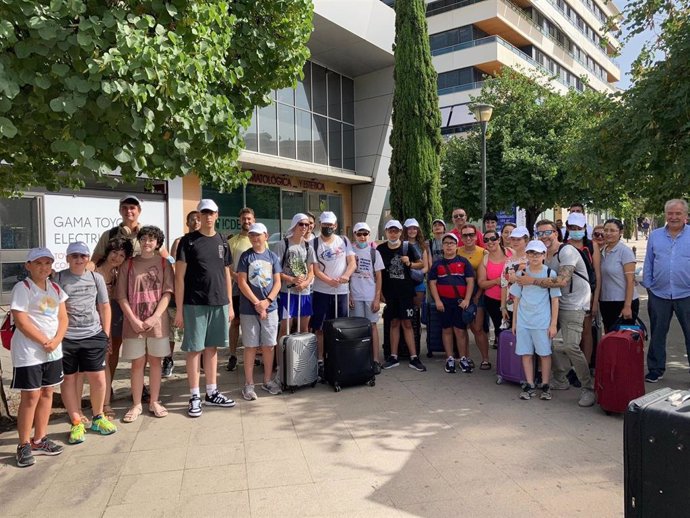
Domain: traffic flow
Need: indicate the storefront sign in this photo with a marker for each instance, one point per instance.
(287, 182)
(83, 218)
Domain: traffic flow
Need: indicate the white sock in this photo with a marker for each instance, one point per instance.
(210, 389)
(195, 392)
(450, 358)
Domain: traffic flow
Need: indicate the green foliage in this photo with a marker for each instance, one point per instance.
(531, 134)
(416, 135)
(150, 87)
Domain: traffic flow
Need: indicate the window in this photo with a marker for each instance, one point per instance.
(348, 147)
(251, 143)
(304, 136)
(334, 95)
(335, 148)
(268, 133)
(348, 100)
(320, 136)
(303, 92)
(318, 82)
(286, 130)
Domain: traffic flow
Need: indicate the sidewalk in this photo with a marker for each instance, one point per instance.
(416, 444)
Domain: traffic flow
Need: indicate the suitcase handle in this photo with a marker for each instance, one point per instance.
(678, 398)
(299, 313)
(643, 328)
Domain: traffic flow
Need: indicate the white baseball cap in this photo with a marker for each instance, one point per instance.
(361, 226)
(328, 217)
(577, 219)
(519, 232)
(78, 247)
(536, 246)
(411, 222)
(258, 228)
(450, 234)
(437, 220)
(394, 223)
(37, 253)
(207, 204)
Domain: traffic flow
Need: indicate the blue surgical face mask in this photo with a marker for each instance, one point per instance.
(394, 242)
(577, 235)
(362, 244)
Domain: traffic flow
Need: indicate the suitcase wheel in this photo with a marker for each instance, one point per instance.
(607, 412)
(499, 380)
(337, 388)
(371, 382)
(292, 390)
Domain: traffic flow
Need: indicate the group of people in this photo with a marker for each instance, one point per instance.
(131, 298)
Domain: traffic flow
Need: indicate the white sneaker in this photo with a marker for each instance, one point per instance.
(587, 397)
(248, 393)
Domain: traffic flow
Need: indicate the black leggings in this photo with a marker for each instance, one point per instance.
(493, 309)
(610, 310)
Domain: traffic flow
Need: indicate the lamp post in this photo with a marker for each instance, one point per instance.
(482, 112)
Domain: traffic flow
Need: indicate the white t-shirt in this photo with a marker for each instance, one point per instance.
(42, 308)
(581, 294)
(363, 280)
(331, 259)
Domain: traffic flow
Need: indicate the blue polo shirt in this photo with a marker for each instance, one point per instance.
(667, 264)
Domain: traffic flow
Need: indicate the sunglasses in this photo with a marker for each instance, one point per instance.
(491, 239)
(394, 229)
(542, 233)
(459, 216)
(468, 236)
(303, 224)
(598, 234)
(360, 234)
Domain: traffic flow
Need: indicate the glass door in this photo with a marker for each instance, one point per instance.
(20, 230)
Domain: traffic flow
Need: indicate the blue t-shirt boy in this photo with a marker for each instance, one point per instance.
(260, 268)
(535, 302)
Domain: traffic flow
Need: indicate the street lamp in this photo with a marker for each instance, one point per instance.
(482, 112)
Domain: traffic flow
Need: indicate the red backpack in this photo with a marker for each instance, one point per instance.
(7, 328)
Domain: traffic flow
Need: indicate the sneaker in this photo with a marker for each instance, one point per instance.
(46, 447)
(103, 426)
(471, 363)
(25, 457)
(167, 369)
(218, 399)
(232, 363)
(465, 365)
(271, 387)
(76, 433)
(248, 393)
(573, 379)
(528, 391)
(559, 385)
(194, 409)
(450, 366)
(416, 364)
(545, 392)
(377, 368)
(653, 377)
(391, 362)
(587, 397)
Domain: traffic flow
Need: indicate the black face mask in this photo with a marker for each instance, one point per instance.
(327, 231)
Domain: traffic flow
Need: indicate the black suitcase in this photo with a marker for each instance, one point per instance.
(403, 351)
(348, 359)
(657, 455)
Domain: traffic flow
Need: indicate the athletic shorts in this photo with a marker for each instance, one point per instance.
(133, 348)
(116, 320)
(451, 316)
(399, 308)
(205, 326)
(421, 287)
(304, 301)
(362, 308)
(36, 377)
(323, 305)
(257, 332)
(529, 341)
(85, 355)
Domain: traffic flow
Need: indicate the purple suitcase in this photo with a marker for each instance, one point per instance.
(508, 364)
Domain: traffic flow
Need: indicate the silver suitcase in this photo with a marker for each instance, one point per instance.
(297, 355)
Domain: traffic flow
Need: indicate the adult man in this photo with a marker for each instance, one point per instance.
(238, 244)
(573, 281)
(667, 279)
(335, 264)
(578, 208)
(203, 287)
(460, 219)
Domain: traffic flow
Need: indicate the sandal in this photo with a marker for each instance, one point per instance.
(132, 414)
(485, 365)
(157, 409)
(108, 412)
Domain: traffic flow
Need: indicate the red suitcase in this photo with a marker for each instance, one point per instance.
(619, 374)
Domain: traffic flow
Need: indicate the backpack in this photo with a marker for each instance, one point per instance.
(287, 245)
(586, 255)
(8, 327)
(416, 275)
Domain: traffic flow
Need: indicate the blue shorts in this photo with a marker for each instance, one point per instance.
(323, 305)
(452, 315)
(304, 301)
(421, 287)
(529, 341)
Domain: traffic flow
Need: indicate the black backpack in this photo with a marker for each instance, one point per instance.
(586, 255)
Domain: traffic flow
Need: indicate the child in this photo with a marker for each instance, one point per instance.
(451, 283)
(40, 317)
(258, 275)
(365, 286)
(144, 287)
(535, 319)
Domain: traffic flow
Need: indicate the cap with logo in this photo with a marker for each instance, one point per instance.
(37, 253)
(207, 204)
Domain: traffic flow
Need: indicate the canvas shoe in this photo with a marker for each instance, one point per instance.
(450, 366)
(416, 364)
(218, 399)
(194, 409)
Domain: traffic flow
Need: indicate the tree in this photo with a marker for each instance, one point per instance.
(531, 133)
(416, 135)
(162, 88)
(643, 142)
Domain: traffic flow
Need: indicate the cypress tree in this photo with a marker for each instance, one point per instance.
(416, 136)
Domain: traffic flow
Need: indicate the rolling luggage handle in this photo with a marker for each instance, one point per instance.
(639, 325)
(678, 398)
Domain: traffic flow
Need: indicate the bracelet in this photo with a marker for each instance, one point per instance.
(270, 300)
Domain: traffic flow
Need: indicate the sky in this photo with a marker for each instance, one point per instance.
(630, 51)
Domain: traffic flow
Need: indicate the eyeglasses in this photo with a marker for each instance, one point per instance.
(360, 234)
(491, 239)
(303, 224)
(468, 236)
(542, 233)
(394, 229)
(448, 243)
(459, 216)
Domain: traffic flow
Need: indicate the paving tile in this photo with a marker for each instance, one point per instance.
(274, 473)
(146, 487)
(287, 501)
(155, 509)
(214, 479)
(155, 461)
(279, 448)
(233, 504)
(204, 456)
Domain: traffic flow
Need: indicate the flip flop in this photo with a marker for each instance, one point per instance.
(157, 409)
(485, 366)
(132, 414)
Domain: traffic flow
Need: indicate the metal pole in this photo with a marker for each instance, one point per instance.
(483, 125)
